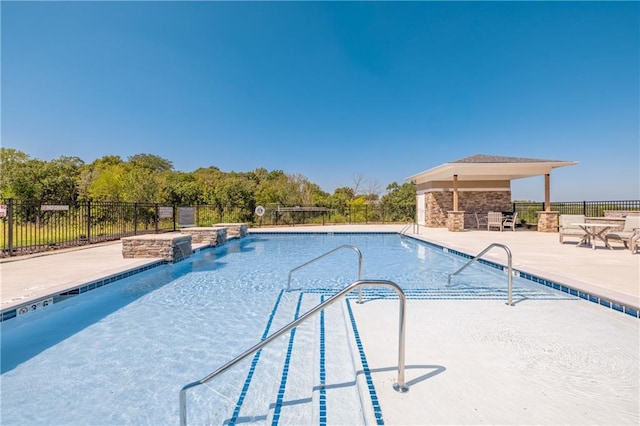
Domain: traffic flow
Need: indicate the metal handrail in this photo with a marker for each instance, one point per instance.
(510, 269)
(413, 226)
(399, 386)
(356, 249)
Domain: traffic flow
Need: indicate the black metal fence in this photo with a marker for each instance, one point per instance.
(528, 211)
(28, 226)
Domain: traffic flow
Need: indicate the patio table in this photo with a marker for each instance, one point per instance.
(593, 231)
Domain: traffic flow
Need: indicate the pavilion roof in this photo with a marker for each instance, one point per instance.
(489, 167)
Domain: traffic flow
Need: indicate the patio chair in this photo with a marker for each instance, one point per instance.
(510, 222)
(634, 242)
(494, 220)
(567, 229)
(480, 220)
(631, 225)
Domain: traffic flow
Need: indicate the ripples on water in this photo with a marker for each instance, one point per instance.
(120, 353)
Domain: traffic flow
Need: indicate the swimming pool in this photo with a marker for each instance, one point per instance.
(119, 354)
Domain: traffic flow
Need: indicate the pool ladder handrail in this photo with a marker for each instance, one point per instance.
(411, 225)
(399, 386)
(346, 246)
(509, 271)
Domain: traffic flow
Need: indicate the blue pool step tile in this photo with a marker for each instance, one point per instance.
(339, 401)
(293, 404)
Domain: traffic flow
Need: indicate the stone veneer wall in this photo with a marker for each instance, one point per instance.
(169, 247)
(234, 230)
(438, 203)
(212, 235)
(481, 202)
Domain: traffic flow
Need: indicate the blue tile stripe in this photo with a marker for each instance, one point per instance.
(254, 363)
(323, 374)
(285, 370)
(12, 312)
(617, 306)
(377, 411)
(474, 293)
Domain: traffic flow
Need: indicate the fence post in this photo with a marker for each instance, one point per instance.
(155, 217)
(174, 216)
(88, 221)
(584, 208)
(135, 218)
(10, 225)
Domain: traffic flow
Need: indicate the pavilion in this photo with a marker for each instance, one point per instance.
(478, 184)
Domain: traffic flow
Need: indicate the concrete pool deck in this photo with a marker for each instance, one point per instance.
(468, 361)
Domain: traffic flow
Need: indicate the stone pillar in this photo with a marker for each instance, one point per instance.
(455, 221)
(548, 221)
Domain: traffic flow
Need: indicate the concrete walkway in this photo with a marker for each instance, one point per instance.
(613, 274)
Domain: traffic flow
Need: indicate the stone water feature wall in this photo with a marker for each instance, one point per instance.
(170, 247)
(234, 230)
(212, 235)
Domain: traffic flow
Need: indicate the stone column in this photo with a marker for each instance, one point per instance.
(455, 221)
(548, 221)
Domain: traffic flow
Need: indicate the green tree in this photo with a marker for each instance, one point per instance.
(57, 180)
(358, 209)
(27, 178)
(150, 162)
(103, 180)
(182, 189)
(399, 202)
(340, 198)
(273, 188)
(14, 173)
(206, 180)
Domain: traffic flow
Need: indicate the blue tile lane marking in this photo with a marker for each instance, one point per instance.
(254, 363)
(285, 370)
(323, 390)
(377, 411)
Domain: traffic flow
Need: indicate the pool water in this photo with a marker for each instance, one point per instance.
(121, 353)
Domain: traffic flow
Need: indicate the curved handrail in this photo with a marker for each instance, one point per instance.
(412, 225)
(357, 250)
(399, 386)
(510, 269)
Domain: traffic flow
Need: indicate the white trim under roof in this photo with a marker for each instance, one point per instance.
(505, 168)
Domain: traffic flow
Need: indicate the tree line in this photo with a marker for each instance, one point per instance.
(152, 179)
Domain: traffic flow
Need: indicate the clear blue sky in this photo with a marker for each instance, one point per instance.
(331, 90)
